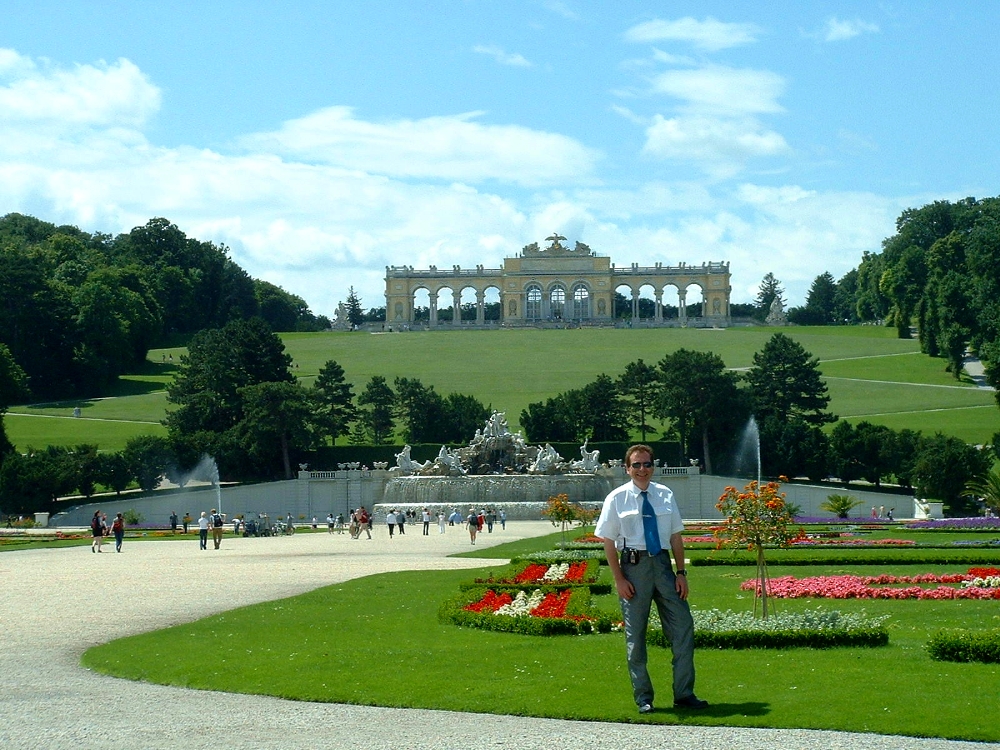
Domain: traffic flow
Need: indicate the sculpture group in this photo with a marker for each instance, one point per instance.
(496, 450)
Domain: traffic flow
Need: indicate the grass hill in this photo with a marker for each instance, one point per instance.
(871, 375)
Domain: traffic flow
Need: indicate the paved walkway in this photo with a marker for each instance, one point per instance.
(57, 603)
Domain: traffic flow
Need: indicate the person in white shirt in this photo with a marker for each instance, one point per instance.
(637, 523)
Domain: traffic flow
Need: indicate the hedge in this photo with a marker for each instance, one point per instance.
(965, 646)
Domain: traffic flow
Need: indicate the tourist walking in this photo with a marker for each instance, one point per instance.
(173, 521)
(472, 522)
(217, 528)
(426, 518)
(491, 518)
(186, 521)
(97, 530)
(203, 524)
(503, 520)
(390, 521)
(441, 520)
(329, 522)
(118, 529)
(635, 521)
(401, 522)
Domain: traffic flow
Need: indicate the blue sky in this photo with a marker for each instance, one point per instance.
(322, 141)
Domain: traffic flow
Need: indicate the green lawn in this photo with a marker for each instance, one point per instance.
(304, 647)
(871, 375)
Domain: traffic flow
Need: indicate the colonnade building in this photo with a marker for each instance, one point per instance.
(559, 285)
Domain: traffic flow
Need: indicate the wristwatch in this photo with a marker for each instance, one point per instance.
(682, 572)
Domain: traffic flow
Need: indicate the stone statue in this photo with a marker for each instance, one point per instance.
(589, 460)
(776, 316)
(547, 460)
(406, 464)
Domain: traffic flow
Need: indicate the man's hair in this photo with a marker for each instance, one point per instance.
(637, 448)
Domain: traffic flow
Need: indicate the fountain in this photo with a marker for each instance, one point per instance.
(746, 463)
(206, 470)
(496, 469)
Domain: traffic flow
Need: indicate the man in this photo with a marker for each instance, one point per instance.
(390, 521)
(217, 528)
(173, 521)
(634, 520)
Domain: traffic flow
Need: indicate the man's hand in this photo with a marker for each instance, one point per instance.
(681, 584)
(625, 589)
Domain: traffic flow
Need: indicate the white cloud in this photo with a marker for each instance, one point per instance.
(723, 90)
(103, 94)
(448, 147)
(710, 35)
(501, 56)
(837, 30)
(720, 146)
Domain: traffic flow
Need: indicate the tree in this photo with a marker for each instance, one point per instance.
(702, 398)
(113, 471)
(375, 424)
(554, 420)
(219, 362)
(637, 387)
(335, 401)
(840, 505)
(278, 419)
(770, 288)
(986, 487)
(464, 415)
(355, 314)
(845, 452)
(420, 409)
(944, 466)
(605, 414)
(785, 383)
(754, 519)
(13, 388)
(820, 307)
(148, 457)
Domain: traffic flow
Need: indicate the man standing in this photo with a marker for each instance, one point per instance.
(634, 520)
(390, 521)
(203, 523)
(173, 521)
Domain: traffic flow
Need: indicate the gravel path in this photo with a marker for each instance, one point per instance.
(57, 603)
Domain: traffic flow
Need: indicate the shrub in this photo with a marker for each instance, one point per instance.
(840, 505)
(808, 629)
(132, 517)
(965, 646)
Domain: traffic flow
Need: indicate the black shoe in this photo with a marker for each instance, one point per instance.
(692, 701)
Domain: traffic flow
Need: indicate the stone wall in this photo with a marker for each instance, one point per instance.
(314, 494)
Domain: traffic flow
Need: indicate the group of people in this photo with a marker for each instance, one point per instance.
(100, 528)
(361, 520)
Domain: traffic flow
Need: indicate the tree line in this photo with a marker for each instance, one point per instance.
(937, 274)
(80, 309)
(708, 408)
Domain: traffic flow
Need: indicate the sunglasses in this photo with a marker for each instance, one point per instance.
(641, 464)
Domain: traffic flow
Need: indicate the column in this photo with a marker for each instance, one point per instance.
(659, 306)
(434, 308)
(456, 306)
(682, 312)
(480, 307)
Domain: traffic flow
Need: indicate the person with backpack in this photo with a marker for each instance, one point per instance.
(118, 529)
(97, 529)
(218, 523)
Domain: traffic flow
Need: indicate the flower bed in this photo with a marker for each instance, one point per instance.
(882, 587)
(540, 611)
(844, 541)
(531, 573)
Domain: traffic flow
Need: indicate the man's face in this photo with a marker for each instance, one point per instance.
(640, 468)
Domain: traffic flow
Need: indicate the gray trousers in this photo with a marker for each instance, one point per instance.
(653, 579)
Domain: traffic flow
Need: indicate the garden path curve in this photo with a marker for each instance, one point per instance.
(57, 603)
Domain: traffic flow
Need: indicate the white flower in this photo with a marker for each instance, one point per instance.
(523, 605)
(556, 572)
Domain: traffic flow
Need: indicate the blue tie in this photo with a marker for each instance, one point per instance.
(649, 529)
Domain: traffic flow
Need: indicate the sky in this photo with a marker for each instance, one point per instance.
(323, 141)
